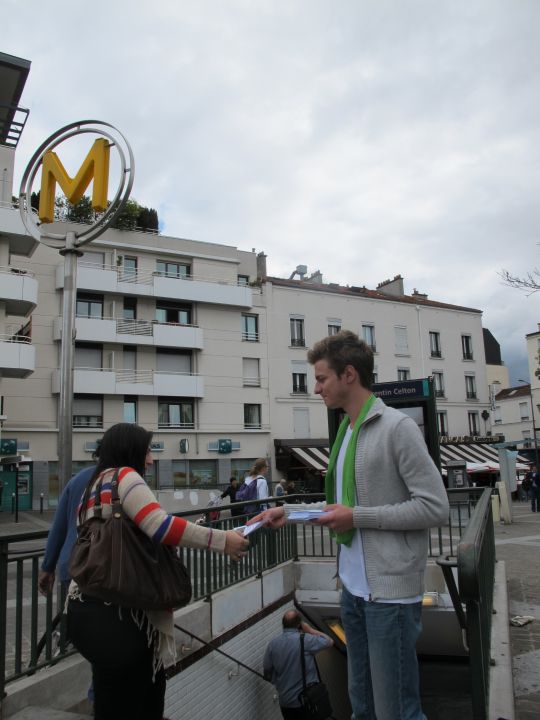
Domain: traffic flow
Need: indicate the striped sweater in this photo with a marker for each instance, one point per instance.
(140, 504)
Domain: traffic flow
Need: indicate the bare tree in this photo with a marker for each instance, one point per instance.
(529, 282)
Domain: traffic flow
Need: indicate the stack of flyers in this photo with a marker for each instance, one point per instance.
(304, 515)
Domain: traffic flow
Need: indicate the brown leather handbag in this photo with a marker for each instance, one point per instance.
(114, 561)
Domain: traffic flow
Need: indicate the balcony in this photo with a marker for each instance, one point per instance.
(109, 279)
(20, 242)
(19, 290)
(134, 332)
(101, 381)
(17, 356)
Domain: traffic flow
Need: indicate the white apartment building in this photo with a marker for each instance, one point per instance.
(516, 410)
(412, 337)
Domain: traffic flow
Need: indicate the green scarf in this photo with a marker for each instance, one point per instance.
(348, 490)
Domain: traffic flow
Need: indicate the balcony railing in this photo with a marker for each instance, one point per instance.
(436, 353)
(298, 342)
(471, 394)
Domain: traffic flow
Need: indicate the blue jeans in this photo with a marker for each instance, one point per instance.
(381, 658)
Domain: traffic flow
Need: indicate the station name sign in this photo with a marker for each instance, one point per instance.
(405, 390)
(470, 439)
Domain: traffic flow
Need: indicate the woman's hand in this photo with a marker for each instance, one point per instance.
(273, 518)
(236, 545)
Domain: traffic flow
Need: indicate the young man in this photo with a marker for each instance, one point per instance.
(283, 667)
(383, 493)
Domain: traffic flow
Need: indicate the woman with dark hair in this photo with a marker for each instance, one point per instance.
(127, 647)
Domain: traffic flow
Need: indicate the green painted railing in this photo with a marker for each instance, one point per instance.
(472, 596)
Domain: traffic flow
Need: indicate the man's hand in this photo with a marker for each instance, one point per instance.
(45, 582)
(338, 518)
(273, 518)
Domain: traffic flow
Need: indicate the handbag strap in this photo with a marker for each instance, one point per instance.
(115, 497)
(302, 660)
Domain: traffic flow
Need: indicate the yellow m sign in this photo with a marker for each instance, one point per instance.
(95, 166)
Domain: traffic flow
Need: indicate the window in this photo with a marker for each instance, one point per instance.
(401, 342)
(334, 326)
(368, 334)
(252, 417)
(466, 346)
(250, 328)
(403, 374)
(179, 474)
(375, 376)
(173, 361)
(129, 271)
(88, 356)
(130, 308)
(474, 425)
(174, 413)
(524, 411)
(497, 415)
(299, 382)
(438, 381)
(129, 358)
(89, 306)
(173, 269)
(243, 279)
(203, 473)
(87, 411)
(470, 387)
(435, 344)
(130, 409)
(95, 259)
(171, 312)
(297, 332)
(442, 423)
(250, 372)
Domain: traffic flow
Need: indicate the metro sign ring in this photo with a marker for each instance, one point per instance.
(94, 167)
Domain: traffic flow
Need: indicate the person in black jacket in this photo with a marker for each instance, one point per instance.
(230, 492)
(535, 489)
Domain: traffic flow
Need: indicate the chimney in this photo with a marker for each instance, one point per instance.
(261, 266)
(419, 295)
(392, 287)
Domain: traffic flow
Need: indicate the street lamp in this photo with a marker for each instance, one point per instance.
(533, 423)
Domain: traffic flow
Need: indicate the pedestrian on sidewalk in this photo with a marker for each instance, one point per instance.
(535, 489)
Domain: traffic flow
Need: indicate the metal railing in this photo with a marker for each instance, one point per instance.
(32, 627)
(466, 542)
(472, 597)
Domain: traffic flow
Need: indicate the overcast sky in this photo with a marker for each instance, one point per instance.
(362, 138)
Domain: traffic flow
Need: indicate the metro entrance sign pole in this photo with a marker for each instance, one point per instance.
(95, 168)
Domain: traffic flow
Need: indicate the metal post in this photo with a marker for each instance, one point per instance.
(534, 432)
(67, 353)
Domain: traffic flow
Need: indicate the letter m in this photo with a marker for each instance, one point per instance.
(95, 166)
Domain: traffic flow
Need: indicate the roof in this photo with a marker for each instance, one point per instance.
(514, 392)
(13, 74)
(365, 293)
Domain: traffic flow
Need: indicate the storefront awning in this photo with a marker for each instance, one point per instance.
(480, 457)
(314, 457)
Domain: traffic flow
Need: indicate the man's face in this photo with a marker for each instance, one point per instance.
(329, 386)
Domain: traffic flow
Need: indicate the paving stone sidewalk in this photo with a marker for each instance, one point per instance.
(518, 544)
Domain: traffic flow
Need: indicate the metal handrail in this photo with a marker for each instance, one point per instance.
(32, 616)
(12, 270)
(7, 337)
(147, 277)
(472, 596)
